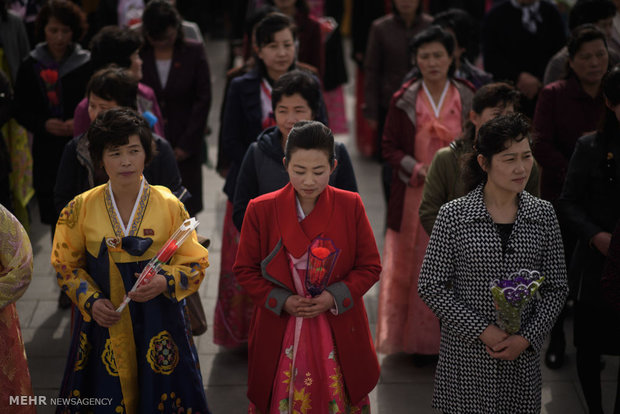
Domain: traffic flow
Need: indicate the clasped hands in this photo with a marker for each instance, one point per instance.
(104, 312)
(500, 345)
(302, 307)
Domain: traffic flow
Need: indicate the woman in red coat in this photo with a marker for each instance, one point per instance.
(308, 349)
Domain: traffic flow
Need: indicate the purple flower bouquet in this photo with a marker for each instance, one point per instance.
(510, 296)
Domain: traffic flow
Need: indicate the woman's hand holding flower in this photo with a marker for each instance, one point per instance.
(147, 291)
(104, 313)
(319, 304)
(492, 335)
(510, 348)
(296, 304)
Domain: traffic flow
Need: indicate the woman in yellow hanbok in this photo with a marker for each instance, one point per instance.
(143, 359)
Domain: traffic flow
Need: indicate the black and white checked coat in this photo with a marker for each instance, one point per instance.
(463, 257)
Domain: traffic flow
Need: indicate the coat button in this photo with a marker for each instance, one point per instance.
(346, 302)
(273, 303)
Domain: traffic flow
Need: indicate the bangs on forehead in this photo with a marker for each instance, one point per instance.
(117, 141)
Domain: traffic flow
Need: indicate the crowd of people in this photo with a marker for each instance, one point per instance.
(497, 127)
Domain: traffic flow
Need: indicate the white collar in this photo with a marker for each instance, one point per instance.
(436, 108)
(126, 227)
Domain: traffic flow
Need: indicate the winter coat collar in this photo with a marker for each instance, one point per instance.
(296, 235)
(474, 208)
(75, 58)
(270, 142)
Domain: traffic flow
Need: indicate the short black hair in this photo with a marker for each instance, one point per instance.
(310, 135)
(590, 11)
(301, 82)
(113, 44)
(609, 127)
(113, 128)
(464, 28)
(434, 34)
(158, 16)
(270, 25)
(494, 137)
(114, 84)
(67, 13)
(495, 94)
(583, 34)
(301, 6)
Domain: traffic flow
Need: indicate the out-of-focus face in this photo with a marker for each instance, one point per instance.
(509, 170)
(279, 54)
(58, 37)
(407, 6)
(309, 171)
(616, 110)
(590, 62)
(289, 110)
(489, 113)
(135, 69)
(284, 4)
(606, 26)
(124, 164)
(433, 61)
(97, 105)
(166, 40)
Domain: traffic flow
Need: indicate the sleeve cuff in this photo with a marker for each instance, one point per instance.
(171, 285)
(88, 304)
(275, 300)
(407, 163)
(342, 296)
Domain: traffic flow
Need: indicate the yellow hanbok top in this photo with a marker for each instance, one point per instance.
(149, 354)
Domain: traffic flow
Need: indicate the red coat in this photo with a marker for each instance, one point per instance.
(270, 230)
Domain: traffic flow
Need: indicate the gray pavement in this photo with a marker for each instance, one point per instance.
(402, 388)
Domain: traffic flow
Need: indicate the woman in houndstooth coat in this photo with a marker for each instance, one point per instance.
(492, 232)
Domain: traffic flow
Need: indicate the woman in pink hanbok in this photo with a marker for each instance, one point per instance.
(15, 275)
(425, 115)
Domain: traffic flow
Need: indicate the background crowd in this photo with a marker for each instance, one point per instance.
(428, 75)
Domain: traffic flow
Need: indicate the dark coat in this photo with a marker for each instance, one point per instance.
(590, 203)
(270, 231)
(508, 49)
(184, 104)
(388, 60)
(311, 49)
(77, 174)
(611, 273)
(564, 112)
(242, 123)
(32, 110)
(262, 171)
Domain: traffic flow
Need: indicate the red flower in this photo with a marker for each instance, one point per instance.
(320, 252)
(53, 97)
(50, 76)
